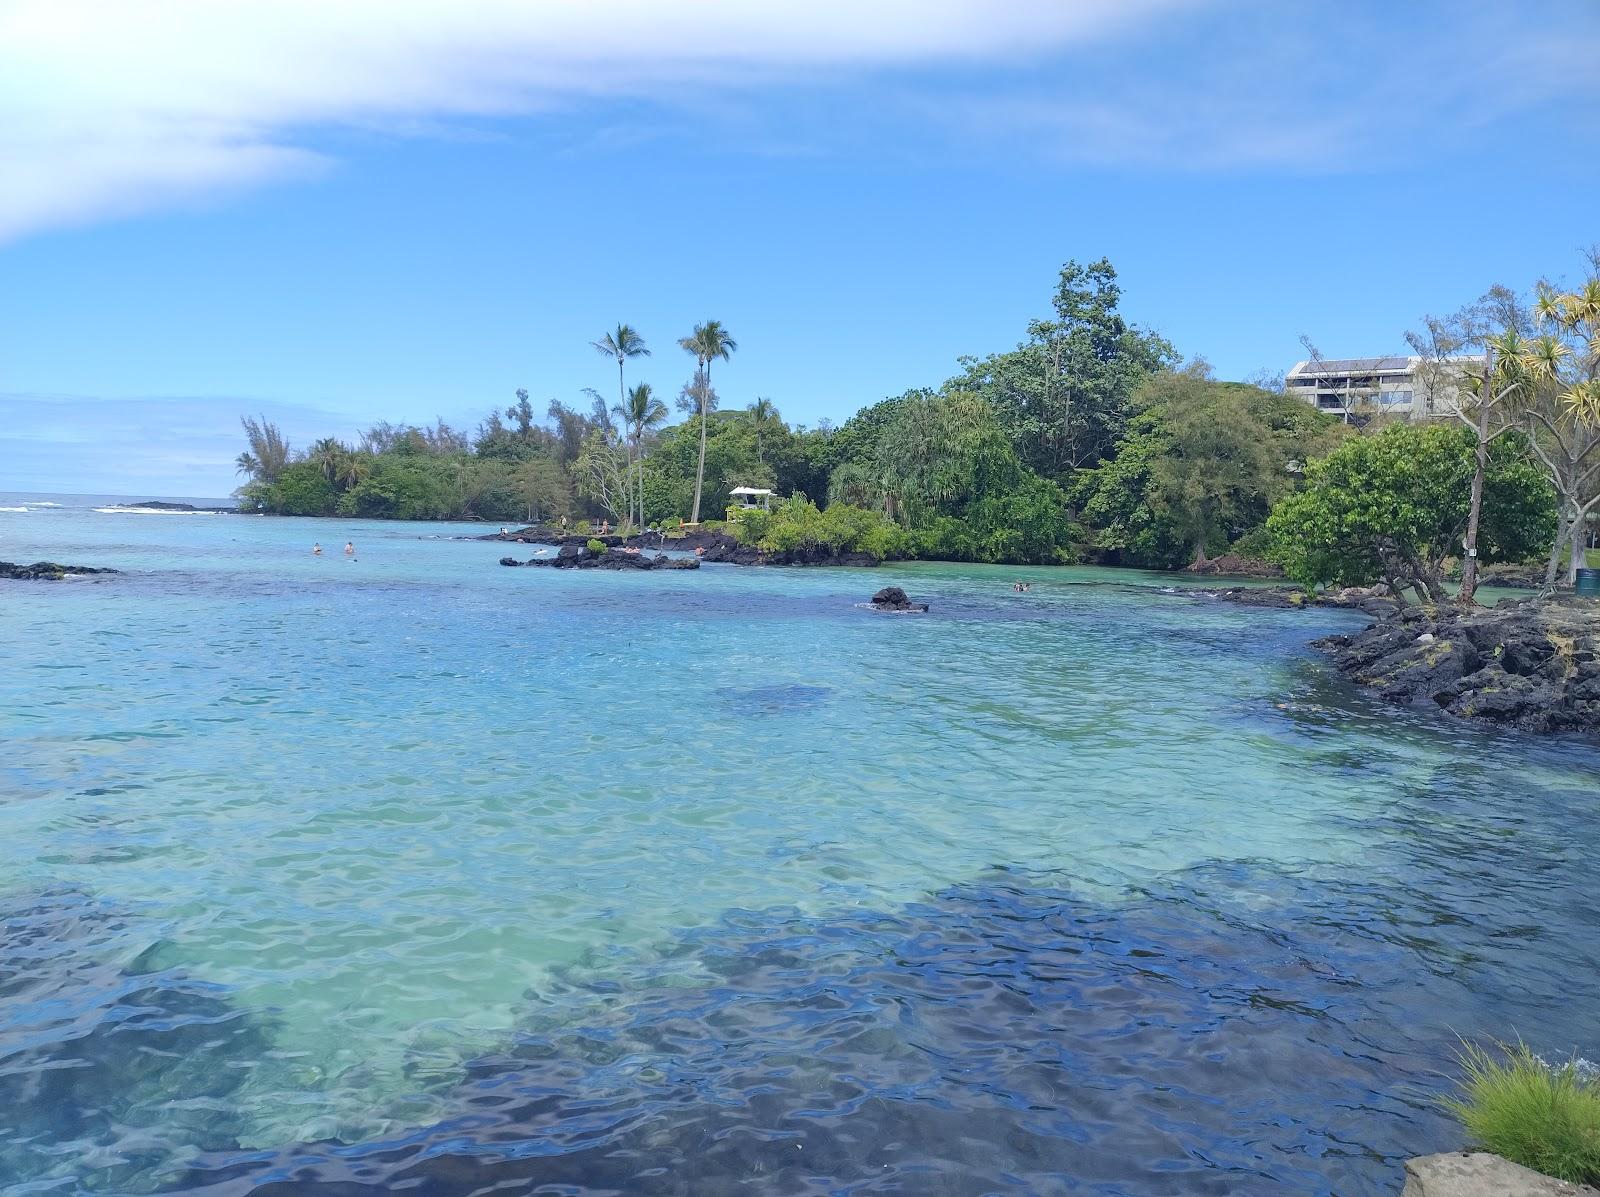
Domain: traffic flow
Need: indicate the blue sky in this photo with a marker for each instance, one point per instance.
(333, 214)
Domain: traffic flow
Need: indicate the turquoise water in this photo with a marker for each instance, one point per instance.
(300, 857)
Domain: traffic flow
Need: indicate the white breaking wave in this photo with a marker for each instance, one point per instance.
(16, 508)
(148, 511)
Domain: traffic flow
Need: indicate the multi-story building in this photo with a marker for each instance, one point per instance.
(1358, 388)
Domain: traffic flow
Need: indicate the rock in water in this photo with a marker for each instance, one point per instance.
(579, 557)
(46, 571)
(892, 598)
(1526, 664)
(1479, 1174)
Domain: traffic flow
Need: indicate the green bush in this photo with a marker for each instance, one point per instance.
(1513, 1104)
(1256, 544)
(597, 546)
(796, 523)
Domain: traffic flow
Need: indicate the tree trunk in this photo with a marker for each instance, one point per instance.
(622, 406)
(700, 472)
(1469, 562)
(1563, 532)
(1576, 561)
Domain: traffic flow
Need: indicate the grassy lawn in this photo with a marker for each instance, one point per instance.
(1592, 558)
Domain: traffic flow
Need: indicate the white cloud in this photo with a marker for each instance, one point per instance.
(111, 108)
(1315, 89)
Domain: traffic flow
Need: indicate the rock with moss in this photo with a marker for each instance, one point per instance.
(1525, 664)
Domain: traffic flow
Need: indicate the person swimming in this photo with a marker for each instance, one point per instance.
(349, 548)
(316, 549)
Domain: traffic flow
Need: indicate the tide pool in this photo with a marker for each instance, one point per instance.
(366, 866)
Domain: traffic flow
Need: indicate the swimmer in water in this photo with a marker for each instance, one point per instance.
(316, 550)
(349, 548)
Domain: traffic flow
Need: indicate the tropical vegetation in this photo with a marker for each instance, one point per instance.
(1089, 441)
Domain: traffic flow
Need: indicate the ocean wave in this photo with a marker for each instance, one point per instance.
(14, 508)
(148, 511)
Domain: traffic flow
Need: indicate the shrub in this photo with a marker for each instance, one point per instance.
(597, 546)
(1255, 544)
(1542, 1117)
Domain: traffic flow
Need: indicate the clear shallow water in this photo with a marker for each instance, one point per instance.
(338, 876)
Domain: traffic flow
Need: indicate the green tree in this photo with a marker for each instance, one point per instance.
(541, 488)
(1562, 370)
(268, 453)
(707, 343)
(763, 415)
(640, 412)
(622, 343)
(1394, 505)
(1066, 394)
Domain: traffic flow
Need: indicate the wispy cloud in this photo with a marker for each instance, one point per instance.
(179, 445)
(110, 109)
(107, 109)
(1308, 88)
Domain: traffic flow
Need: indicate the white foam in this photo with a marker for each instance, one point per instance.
(14, 508)
(148, 511)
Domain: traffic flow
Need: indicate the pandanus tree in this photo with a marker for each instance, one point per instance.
(1562, 368)
(640, 412)
(708, 342)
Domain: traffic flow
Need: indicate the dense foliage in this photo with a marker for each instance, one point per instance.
(1393, 506)
(841, 528)
(1084, 442)
(1200, 466)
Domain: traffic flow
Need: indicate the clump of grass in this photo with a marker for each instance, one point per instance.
(1541, 1116)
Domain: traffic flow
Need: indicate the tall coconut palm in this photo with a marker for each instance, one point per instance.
(621, 343)
(706, 343)
(641, 412)
(763, 414)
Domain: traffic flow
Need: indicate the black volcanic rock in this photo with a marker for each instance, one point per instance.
(892, 598)
(578, 556)
(1526, 664)
(47, 571)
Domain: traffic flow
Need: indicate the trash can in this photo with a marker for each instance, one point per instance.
(1589, 583)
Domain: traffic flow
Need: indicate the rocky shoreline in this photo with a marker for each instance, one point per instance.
(1526, 664)
(47, 571)
(581, 556)
(1373, 601)
(714, 547)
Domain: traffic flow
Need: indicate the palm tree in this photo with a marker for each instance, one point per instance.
(708, 342)
(641, 412)
(621, 343)
(328, 455)
(762, 414)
